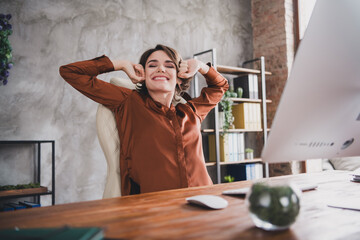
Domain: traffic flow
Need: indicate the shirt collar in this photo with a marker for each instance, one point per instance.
(158, 107)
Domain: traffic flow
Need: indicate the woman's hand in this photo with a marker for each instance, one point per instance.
(188, 68)
(135, 72)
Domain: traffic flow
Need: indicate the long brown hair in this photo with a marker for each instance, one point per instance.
(176, 58)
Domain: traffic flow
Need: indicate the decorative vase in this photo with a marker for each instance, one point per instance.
(273, 207)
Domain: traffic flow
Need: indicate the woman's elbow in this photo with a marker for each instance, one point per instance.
(65, 72)
(62, 70)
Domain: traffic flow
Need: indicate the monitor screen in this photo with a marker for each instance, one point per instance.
(319, 112)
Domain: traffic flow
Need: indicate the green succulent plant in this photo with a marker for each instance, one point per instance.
(226, 105)
(229, 178)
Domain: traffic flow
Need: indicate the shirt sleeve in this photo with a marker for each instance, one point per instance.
(83, 77)
(210, 95)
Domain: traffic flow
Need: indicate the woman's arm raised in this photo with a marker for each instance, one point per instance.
(188, 68)
(134, 71)
(211, 95)
(83, 77)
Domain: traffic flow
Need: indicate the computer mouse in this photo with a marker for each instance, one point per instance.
(210, 201)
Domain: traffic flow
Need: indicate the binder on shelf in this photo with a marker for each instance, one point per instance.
(224, 153)
(259, 171)
(30, 204)
(232, 147)
(221, 119)
(241, 139)
(247, 116)
(248, 168)
(254, 171)
(236, 147)
(15, 206)
(7, 208)
(249, 84)
(258, 116)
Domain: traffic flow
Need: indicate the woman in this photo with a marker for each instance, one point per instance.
(161, 145)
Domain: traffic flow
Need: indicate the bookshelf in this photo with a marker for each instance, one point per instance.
(217, 130)
(40, 191)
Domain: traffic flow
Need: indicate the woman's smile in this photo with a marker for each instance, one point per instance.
(160, 78)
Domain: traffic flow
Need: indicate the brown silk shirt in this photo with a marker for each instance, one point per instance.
(160, 147)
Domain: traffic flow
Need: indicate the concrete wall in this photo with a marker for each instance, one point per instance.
(38, 104)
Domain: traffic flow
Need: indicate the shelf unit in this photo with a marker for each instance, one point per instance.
(236, 71)
(234, 130)
(34, 191)
(255, 160)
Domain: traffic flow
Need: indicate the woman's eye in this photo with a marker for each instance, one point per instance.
(170, 66)
(152, 65)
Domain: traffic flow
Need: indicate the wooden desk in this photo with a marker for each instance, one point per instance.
(166, 215)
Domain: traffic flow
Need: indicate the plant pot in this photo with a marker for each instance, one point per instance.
(249, 155)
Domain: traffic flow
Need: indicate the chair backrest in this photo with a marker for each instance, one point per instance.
(110, 142)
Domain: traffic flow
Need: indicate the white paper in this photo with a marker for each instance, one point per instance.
(353, 204)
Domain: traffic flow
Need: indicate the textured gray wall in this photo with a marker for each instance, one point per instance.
(38, 104)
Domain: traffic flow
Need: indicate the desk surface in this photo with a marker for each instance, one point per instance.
(166, 215)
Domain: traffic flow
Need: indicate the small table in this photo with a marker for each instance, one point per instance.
(166, 215)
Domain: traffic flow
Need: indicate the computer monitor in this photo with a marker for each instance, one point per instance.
(319, 111)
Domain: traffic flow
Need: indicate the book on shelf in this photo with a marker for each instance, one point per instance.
(249, 84)
(254, 171)
(247, 116)
(249, 171)
(221, 119)
(16, 206)
(232, 147)
(28, 204)
(71, 233)
(6, 208)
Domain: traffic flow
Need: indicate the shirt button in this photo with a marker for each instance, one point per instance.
(170, 115)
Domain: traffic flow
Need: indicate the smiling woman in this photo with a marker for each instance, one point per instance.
(161, 145)
(158, 60)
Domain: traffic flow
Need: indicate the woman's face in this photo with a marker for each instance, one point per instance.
(160, 73)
